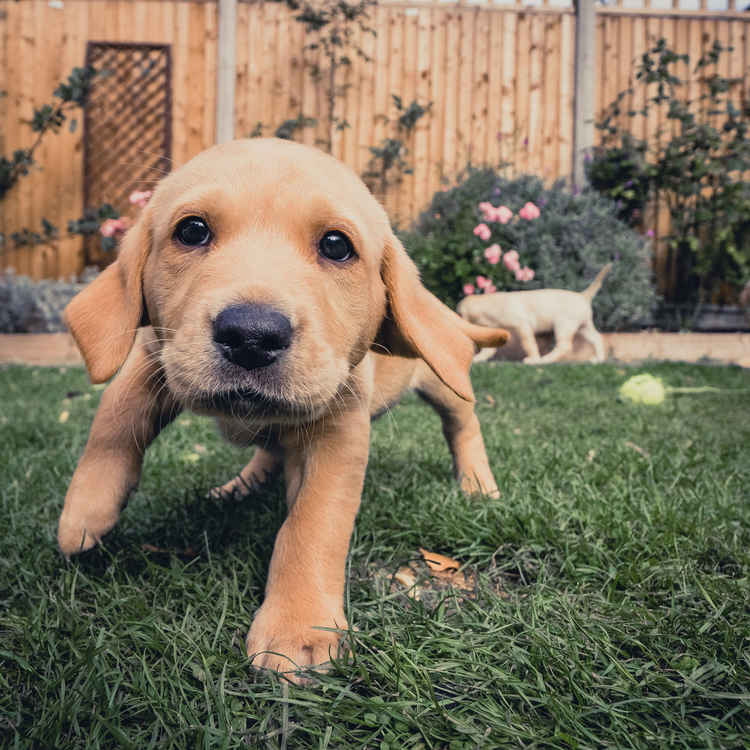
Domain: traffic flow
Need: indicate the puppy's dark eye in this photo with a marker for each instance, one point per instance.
(192, 231)
(336, 246)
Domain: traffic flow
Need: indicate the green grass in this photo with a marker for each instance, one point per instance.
(612, 603)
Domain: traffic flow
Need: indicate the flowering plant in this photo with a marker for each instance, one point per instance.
(696, 163)
(114, 227)
(493, 254)
(561, 236)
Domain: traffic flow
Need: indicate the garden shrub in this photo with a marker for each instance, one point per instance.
(565, 240)
(28, 306)
(697, 164)
(622, 174)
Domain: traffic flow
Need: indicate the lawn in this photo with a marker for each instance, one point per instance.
(610, 608)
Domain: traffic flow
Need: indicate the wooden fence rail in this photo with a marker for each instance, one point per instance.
(500, 79)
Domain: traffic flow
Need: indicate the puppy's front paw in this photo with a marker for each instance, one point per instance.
(77, 532)
(480, 483)
(286, 639)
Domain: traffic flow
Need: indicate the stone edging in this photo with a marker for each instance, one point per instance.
(59, 349)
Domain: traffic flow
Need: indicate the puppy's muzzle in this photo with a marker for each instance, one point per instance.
(251, 335)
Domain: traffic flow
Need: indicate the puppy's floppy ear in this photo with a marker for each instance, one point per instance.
(103, 318)
(420, 325)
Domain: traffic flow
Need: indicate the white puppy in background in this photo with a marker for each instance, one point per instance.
(539, 311)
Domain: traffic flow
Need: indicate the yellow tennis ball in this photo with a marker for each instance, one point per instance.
(644, 389)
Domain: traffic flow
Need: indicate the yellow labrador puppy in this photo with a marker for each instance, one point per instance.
(263, 285)
(539, 311)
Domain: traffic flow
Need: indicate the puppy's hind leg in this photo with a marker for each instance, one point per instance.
(594, 338)
(528, 342)
(462, 432)
(484, 354)
(261, 467)
(564, 334)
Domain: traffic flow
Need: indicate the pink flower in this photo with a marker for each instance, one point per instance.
(487, 210)
(524, 274)
(482, 231)
(111, 227)
(140, 197)
(493, 254)
(529, 212)
(483, 282)
(503, 214)
(510, 259)
(490, 288)
(468, 289)
(489, 213)
(650, 233)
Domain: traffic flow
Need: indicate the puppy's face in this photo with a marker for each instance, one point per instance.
(263, 280)
(267, 271)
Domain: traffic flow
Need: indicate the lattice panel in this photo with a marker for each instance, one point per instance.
(127, 121)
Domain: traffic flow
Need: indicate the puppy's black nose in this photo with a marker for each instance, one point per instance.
(252, 336)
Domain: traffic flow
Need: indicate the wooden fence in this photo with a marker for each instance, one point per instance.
(500, 79)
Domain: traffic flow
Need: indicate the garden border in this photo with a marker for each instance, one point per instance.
(59, 349)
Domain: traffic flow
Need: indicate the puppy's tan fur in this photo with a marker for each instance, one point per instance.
(539, 311)
(364, 332)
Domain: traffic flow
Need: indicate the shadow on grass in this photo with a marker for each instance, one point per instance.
(194, 528)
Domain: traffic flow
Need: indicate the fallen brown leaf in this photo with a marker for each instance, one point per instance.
(408, 579)
(438, 563)
(405, 576)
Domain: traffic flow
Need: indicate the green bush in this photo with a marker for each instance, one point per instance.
(622, 175)
(569, 242)
(697, 165)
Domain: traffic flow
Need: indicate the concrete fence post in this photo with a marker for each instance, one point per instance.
(585, 82)
(226, 75)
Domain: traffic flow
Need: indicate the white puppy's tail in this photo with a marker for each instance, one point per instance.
(590, 291)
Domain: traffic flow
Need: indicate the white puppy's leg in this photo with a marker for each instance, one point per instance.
(528, 342)
(594, 338)
(564, 334)
(484, 354)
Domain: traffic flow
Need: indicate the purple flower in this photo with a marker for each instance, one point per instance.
(650, 233)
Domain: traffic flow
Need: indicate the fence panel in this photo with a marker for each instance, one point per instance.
(42, 43)
(500, 80)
